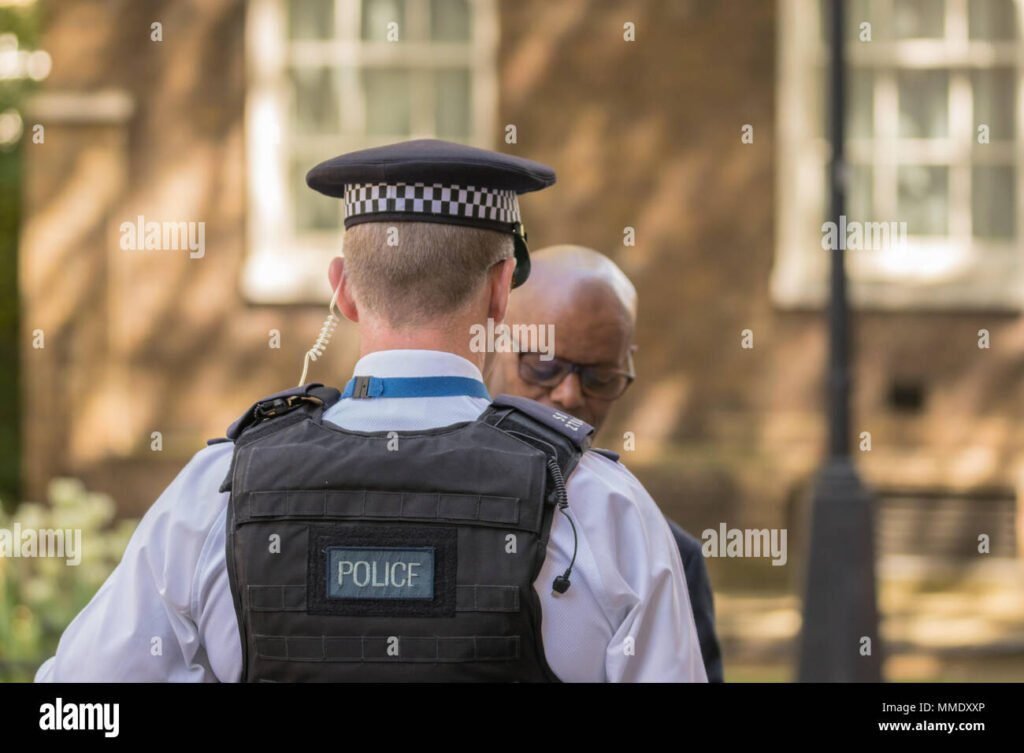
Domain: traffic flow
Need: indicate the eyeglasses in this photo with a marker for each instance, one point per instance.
(601, 382)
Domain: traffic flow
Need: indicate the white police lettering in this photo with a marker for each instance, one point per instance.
(573, 423)
(363, 573)
(380, 573)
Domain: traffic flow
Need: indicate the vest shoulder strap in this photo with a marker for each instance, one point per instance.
(313, 394)
(561, 435)
(311, 397)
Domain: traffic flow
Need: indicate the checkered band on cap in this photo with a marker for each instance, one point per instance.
(436, 199)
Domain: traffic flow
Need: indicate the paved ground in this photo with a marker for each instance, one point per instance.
(939, 624)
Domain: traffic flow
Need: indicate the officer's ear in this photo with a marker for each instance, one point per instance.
(339, 281)
(499, 284)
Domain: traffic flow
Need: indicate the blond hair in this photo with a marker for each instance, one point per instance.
(408, 273)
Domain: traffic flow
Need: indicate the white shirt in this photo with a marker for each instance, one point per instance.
(166, 612)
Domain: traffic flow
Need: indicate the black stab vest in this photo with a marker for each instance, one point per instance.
(393, 556)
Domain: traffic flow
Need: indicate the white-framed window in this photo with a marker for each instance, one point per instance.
(330, 76)
(935, 139)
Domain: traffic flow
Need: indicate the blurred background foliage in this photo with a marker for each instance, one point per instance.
(39, 596)
(20, 24)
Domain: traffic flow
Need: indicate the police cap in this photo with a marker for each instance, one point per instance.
(428, 180)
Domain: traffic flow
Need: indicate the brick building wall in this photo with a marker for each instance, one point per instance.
(643, 134)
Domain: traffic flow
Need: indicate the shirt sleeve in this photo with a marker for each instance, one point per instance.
(644, 593)
(139, 627)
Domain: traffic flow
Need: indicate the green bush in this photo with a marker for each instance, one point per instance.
(39, 596)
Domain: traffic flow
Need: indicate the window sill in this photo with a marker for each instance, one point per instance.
(992, 284)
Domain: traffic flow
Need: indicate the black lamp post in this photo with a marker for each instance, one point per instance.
(839, 641)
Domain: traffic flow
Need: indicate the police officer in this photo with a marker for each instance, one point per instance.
(406, 528)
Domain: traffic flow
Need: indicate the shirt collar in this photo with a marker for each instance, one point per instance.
(414, 363)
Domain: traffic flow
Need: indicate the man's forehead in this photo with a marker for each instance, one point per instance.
(582, 305)
(581, 333)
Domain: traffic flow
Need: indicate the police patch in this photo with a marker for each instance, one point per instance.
(382, 570)
(383, 573)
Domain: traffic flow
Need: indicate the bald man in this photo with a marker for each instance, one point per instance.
(592, 306)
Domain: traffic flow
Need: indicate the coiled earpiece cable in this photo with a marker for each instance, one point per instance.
(329, 325)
